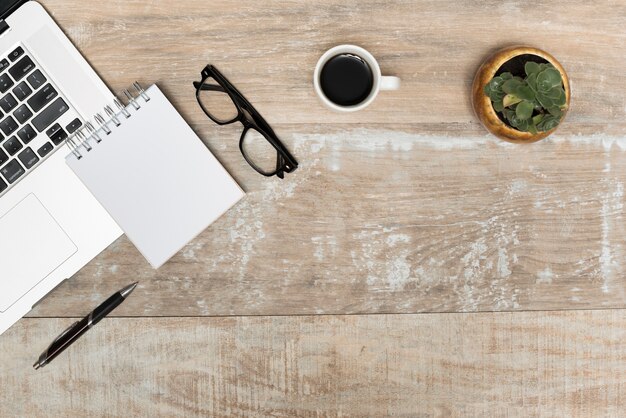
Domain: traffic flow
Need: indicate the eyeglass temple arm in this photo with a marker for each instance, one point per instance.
(280, 163)
(208, 87)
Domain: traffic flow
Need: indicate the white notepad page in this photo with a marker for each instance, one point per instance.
(156, 178)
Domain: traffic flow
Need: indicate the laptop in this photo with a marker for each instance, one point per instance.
(50, 225)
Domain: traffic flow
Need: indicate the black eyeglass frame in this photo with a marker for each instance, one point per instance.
(249, 117)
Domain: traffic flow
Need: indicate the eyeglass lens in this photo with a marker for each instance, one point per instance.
(216, 101)
(259, 151)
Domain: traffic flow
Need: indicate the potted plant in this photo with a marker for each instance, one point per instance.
(521, 94)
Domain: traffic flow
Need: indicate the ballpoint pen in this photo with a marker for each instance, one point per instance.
(78, 328)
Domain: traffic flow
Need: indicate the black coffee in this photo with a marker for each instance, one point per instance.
(346, 79)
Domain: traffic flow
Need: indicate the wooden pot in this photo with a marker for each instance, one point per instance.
(482, 104)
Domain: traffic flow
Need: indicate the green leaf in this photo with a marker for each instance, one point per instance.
(494, 94)
(561, 100)
(496, 83)
(524, 110)
(514, 121)
(537, 118)
(510, 100)
(554, 92)
(531, 67)
(488, 88)
(510, 85)
(531, 81)
(509, 115)
(523, 125)
(493, 89)
(506, 76)
(548, 122)
(555, 111)
(545, 101)
(498, 106)
(544, 66)
(524, 92)
(532, 128)
(497, 96)
(548, 79)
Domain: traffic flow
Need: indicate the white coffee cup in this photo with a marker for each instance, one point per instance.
(380, 82)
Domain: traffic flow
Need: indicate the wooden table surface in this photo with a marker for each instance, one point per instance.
(413, 265)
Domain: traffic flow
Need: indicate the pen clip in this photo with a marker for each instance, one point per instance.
(62, 334)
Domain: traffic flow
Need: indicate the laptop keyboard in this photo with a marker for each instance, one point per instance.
(31, 109)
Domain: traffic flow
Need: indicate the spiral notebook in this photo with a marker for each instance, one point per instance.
(152, 173)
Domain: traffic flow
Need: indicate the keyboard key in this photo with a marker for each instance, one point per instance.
(28, 158)
(59, 136)
(8, 103)
(22, 114)
(45, 149)
(53, 129)
(8, 125)
(12, 145)
(21, 68)
(49, 115)
(42, 97)
(73, 126)
(56, 134)
(3, 186)
(27, 134)
(22, 91)
(3, 157)
(12, 171)
(16, 53)
(36, 79)
(5, 83)
(4, 64)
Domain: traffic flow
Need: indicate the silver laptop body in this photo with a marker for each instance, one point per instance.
(50, 225)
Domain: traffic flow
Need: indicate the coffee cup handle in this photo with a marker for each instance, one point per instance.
(388, 82)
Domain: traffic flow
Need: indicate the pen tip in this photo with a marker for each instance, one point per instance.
(128, 289)
(36, 366)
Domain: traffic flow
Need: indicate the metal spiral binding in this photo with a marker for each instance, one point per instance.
(73, 147)
(102, 122)
(111, 114)
(80, 139)
(93, 132)
(122, 108)
(141, 91)
(132, 100)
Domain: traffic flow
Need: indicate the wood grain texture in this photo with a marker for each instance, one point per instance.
(269, 49)
(405, 207)
(489, 364)
(391, 221)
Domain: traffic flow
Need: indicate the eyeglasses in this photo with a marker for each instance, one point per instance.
(259, 145)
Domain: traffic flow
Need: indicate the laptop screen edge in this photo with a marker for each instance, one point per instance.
(9, 6)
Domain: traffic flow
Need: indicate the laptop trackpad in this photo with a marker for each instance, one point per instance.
(32, 245)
